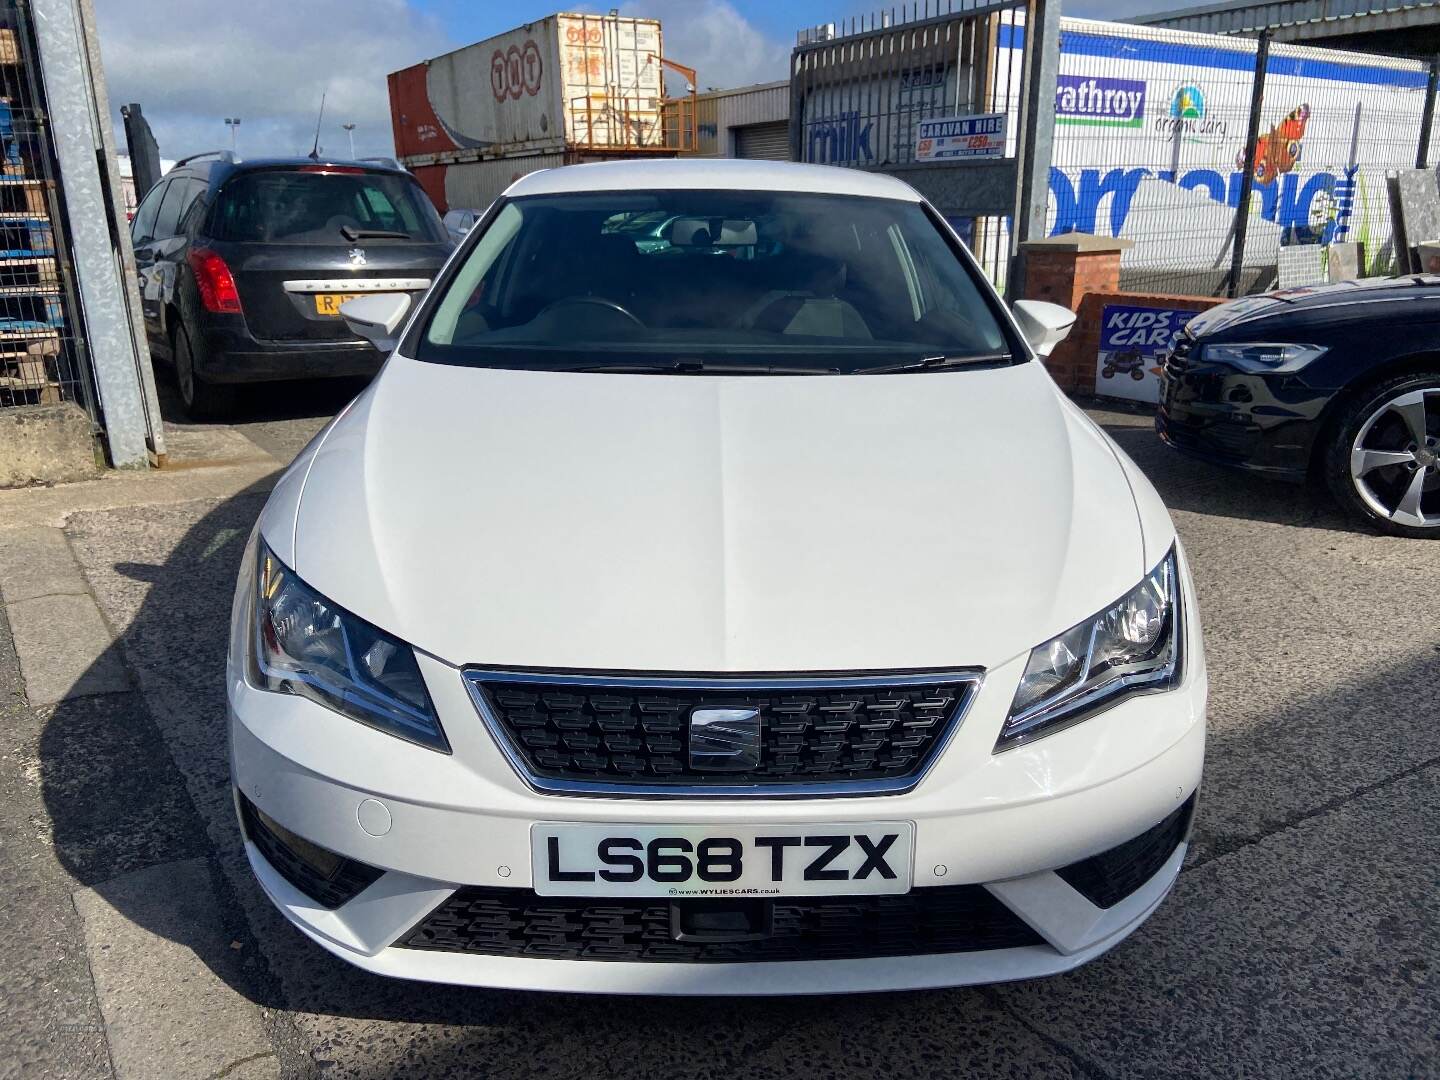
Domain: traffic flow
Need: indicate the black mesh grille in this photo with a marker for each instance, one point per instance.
(516, 922)
(613, 735)
(346, 882)
(1109, 877)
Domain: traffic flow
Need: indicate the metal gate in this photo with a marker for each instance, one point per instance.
(859, 90)
(43, 356)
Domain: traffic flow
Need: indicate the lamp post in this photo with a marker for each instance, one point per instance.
(350, 130)
(233, 123)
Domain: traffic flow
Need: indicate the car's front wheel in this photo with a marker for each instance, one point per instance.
(1383, 463)
(202, 400)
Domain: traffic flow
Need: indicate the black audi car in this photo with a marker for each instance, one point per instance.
(1340, 382)
(243, 267)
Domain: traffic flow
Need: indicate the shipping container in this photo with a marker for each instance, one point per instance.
(474, 185)
(563, 84)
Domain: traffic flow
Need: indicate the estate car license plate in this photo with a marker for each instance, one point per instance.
(722, 860)
(328, 303)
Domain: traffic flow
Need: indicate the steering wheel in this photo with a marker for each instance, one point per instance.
(594, 301)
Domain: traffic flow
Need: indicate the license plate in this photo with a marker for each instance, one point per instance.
(328, 303)
(722, 860)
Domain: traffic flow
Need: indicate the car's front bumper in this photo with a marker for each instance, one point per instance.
(1261, 423)
(1006, 821)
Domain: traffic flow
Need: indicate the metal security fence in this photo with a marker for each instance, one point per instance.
(1151, 136)
(860, 88)
(43, 356)
(1152, 144)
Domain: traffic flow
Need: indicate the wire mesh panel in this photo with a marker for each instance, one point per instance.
(1150, 132)
(42, 359)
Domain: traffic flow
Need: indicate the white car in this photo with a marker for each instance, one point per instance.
(749, 614)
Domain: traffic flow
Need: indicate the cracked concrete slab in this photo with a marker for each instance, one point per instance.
(36, 561)
(65, 649)
(155, 945)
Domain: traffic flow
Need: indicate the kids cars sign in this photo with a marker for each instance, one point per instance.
(1133, 344)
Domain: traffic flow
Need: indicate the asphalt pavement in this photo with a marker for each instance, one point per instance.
(1301, 939)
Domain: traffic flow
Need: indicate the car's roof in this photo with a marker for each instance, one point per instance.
(712, 173)
(209, 165)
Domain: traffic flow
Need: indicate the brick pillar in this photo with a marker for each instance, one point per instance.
(1062, 269)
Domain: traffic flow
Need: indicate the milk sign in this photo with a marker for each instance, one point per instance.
(948, 138)
(1133, 344)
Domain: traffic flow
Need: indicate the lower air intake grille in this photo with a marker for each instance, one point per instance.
(330, 887)
(1111, 876)
(516, 922)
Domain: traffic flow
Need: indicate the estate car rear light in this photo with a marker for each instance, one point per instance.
(217, 285)
(351, 170)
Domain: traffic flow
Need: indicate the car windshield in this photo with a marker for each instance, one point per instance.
(311, 205)
(739, 282)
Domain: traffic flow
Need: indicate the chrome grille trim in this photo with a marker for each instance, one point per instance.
(970, 678)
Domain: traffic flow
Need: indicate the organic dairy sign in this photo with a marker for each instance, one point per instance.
(949, 138)
(1098, 100)
(1133, 344)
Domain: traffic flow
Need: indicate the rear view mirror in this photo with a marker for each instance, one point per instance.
(1044, 324)
(377, 318)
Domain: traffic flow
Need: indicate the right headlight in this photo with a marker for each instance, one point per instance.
(1262, 358)
(305, 644)
(1132, 646)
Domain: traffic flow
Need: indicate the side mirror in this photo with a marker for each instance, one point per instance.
(1044, 324)
(377, 317)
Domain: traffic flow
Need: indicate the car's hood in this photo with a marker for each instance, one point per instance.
(1344, 300)
(712, 524)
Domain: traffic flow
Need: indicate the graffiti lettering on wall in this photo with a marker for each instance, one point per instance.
(840, 139)
(1317, 209)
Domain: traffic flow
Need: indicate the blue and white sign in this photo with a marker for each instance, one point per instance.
(947, 138)
(1133, 344)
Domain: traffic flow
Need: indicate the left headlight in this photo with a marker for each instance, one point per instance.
(1132, 646)
(306, 645)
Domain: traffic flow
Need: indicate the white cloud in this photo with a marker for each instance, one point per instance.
(192, 63)
(712, 37)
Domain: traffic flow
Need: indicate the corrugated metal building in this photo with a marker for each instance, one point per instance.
(746, 122)
(1400, 27)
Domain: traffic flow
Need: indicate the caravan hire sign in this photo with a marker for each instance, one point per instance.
(1099, 100)
(949, 137)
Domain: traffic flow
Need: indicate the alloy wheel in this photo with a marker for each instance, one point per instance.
(1395, 459)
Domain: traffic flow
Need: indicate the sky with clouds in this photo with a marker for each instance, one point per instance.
(191, 63)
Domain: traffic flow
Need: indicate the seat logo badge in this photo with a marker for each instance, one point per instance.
(724, 740)
(357, 256)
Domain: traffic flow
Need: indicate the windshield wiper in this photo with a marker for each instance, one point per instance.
(939, 361)
(349, 232)
(709, 367)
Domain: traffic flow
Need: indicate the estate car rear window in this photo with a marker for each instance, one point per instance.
(278, 206)
(712, 281)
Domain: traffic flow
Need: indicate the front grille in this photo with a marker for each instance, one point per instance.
(330, 890)
(517, 922)
(1109, 877)
(589, 732)
(1178, 359)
